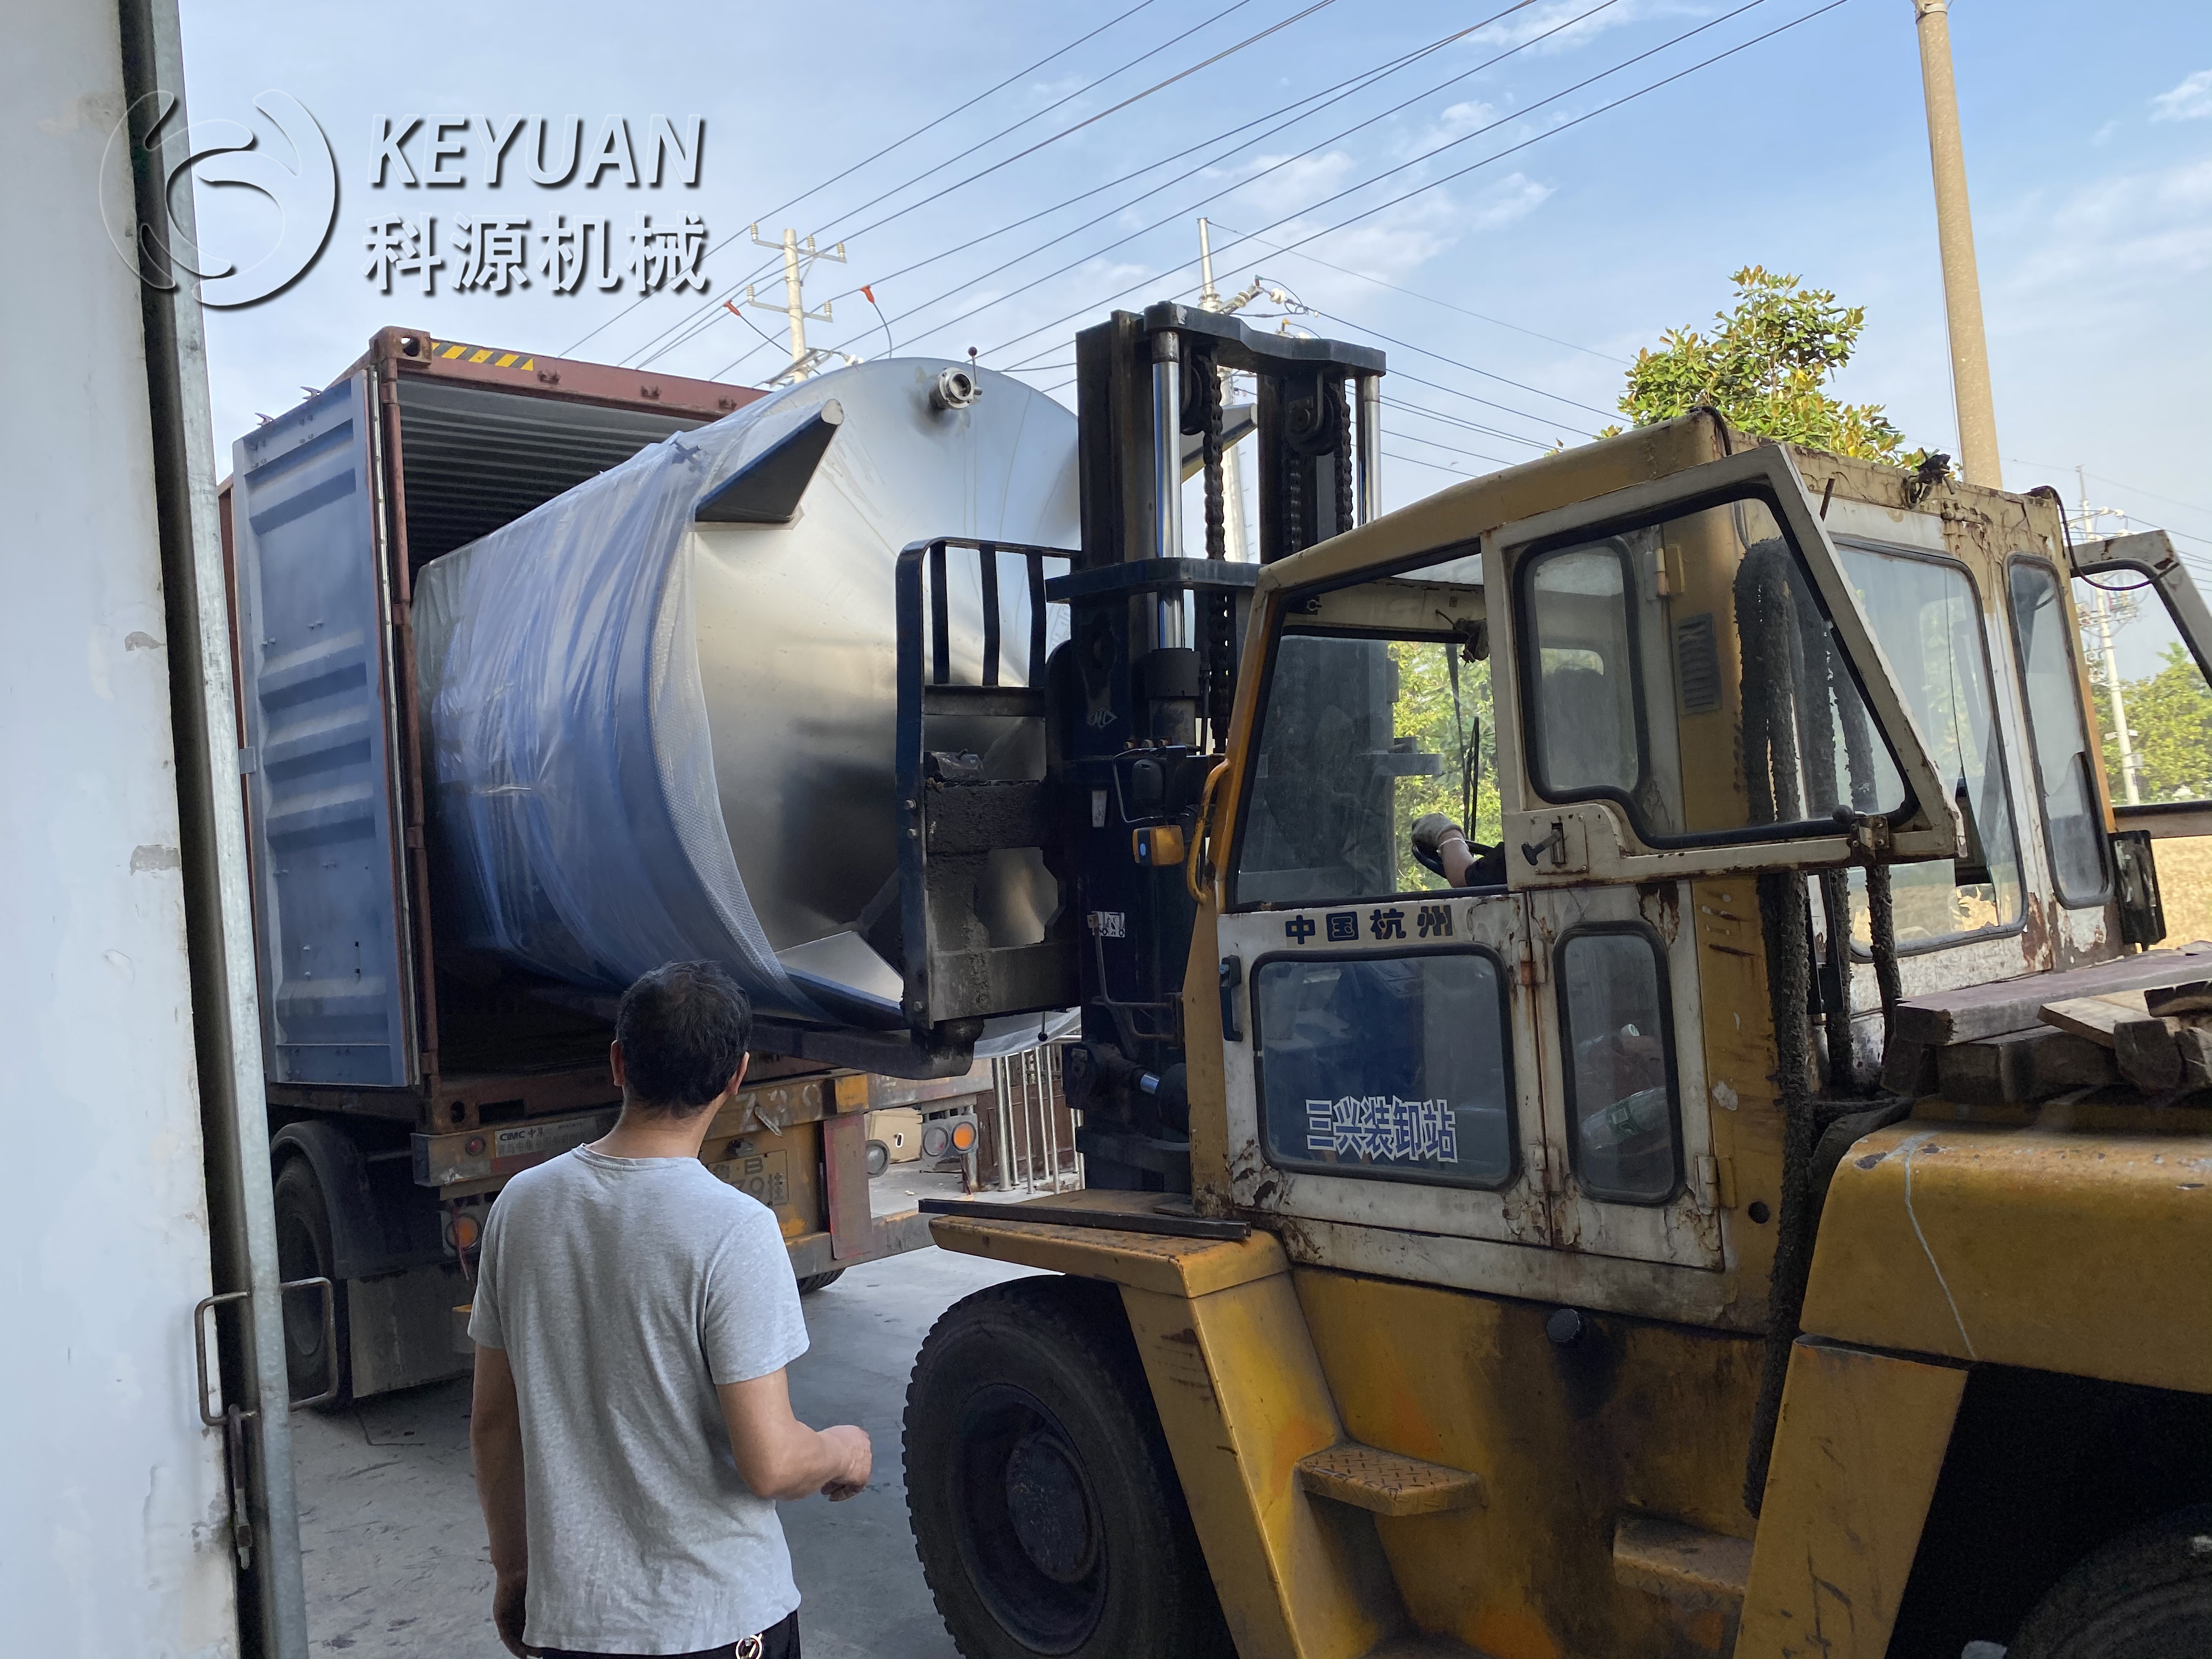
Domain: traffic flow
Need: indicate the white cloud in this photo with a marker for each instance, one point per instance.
(1277, 184)
(2189, 101)
(2094, 259)
(1394, 246)
(1537, 23)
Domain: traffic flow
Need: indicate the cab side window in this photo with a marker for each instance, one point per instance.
(1689, 670)
(1625, 1131)
(1586, 735)
(2072, 816)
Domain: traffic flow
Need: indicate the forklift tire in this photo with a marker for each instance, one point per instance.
(1045, 1507)
(814, 1282)
(2146, 1595)
(303, 1250)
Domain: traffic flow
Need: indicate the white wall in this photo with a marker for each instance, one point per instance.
(112, 1537)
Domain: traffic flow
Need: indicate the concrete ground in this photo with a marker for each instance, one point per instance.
(395, 1557)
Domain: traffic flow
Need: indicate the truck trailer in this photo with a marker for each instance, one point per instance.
(410, 1075)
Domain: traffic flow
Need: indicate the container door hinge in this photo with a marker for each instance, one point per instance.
(249, 762)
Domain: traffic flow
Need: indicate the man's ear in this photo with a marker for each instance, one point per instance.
(615, 1064)
(738, 1079)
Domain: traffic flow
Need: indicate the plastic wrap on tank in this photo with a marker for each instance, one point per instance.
(579, 826)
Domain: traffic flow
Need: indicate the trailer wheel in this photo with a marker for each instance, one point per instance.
(2146, 1595)
(1045, 1507)
(304, 1251)
(814, 1282)
(879, 1159)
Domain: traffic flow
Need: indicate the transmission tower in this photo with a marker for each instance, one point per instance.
(2108, 612)
(1233, 457)
(799, 257)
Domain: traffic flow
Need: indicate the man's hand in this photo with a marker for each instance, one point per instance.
(509, 1592)
(780, 1457)
(859, 1461)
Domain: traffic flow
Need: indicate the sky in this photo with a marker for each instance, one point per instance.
(1479, 211)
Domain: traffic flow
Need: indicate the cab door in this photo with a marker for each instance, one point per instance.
(1693, 692)
(1380, 1065)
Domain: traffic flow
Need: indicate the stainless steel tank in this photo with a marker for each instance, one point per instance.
(651, 736)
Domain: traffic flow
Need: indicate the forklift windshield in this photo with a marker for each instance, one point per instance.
(1378, 713)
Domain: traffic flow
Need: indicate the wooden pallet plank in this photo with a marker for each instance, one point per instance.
(2023, 1066)
(2094, 1018)
(1978, 1011)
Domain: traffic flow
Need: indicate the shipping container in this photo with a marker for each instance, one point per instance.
(408, 1076)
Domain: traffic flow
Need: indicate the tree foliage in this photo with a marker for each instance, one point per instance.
(1454, 723)
(1766, 368)
(2170, 719)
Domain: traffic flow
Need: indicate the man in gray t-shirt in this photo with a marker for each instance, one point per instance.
(632, 1317)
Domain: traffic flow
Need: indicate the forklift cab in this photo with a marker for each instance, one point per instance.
(1659, 681)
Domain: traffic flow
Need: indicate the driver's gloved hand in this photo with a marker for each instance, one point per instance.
(1431, 831)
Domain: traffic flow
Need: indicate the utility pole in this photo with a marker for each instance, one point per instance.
(1955, 230)
(798, 259)
(2105, 616)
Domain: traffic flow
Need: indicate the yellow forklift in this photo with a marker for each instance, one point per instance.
(1602, 1178)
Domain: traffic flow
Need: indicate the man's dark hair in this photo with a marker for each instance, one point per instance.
(683, 1029)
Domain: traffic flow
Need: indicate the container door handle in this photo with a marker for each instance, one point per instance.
(216, 1420)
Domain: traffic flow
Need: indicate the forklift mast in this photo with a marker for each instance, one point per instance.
(1139, 697)
(1078, 786)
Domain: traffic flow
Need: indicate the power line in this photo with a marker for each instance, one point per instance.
(1319, 101)
(697, 322)
(1434, 466)
(1088, 120)
(897, 143)
(1498, 155)
(2045, 466)
(1465, 425)
(1191, 207)
(1415, 293)
(1448, 449)
(1407, 375)
(1518, 386)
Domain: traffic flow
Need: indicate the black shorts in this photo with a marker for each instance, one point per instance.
(779, 1641)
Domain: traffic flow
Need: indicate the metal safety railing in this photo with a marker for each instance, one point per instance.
(1029, 1130)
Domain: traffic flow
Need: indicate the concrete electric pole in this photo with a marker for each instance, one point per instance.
(798, 259)
(1979, 461)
